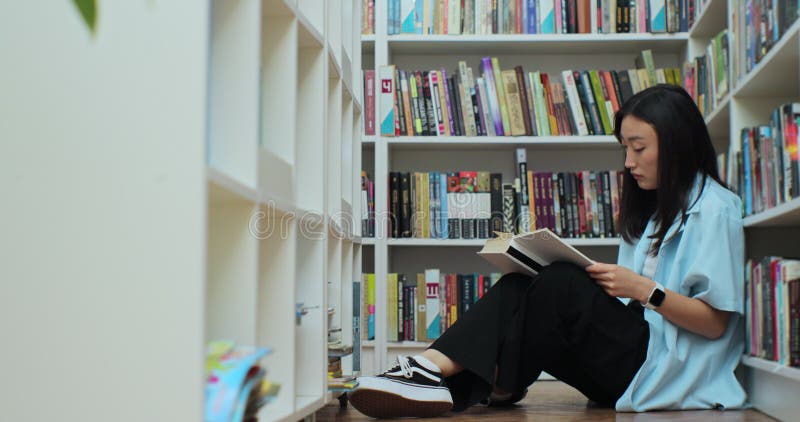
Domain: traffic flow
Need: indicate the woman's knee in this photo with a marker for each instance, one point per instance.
(561, 275)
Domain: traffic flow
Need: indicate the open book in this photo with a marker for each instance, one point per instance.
(529, 252)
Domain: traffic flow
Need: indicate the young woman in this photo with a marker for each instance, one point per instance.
(682, 258)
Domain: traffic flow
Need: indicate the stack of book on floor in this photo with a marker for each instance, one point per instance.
(236, 384)
(337, 381)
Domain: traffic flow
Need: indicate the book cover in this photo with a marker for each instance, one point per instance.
(515, 116)
(547, 17)
(501, 95)
(491, 94)
(387, 97)
(530, 252)
(432, 306)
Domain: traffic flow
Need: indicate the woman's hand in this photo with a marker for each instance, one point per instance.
(619, 281)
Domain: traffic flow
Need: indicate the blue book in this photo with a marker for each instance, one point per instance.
(443, 204)
(532, 17)
(748, 191)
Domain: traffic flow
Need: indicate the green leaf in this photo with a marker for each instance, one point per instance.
(88, 9)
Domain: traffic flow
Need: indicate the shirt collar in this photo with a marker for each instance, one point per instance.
(695, 199)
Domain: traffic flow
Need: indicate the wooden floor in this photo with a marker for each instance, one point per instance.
(556, 401)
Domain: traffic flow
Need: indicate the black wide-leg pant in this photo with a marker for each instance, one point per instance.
(559, 321)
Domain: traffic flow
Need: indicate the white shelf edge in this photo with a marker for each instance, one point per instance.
(764, 218)
(748, 78)
(309, 26)
(333, 60)
(367, 38)
(229, 184)
(723, 105)
(430, 142)
(776, 368)
(303, 405)
(408, 344)
(347, 77)
(702, 20)
(521, 38)
(368, 139)
(480, 242)
(368, 241)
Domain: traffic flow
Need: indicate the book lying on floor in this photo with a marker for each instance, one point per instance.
(529, 252)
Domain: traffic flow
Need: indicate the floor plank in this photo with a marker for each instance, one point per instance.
(556, 401)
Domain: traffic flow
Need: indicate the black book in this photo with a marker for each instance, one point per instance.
(496, 194)
(588, 116)
(609, 210)
(394, 204)
(405, 204)
(562, 202)
(455, 104)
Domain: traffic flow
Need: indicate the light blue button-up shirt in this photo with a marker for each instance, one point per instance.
(702, 259)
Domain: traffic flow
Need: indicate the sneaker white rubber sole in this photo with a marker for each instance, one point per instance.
(384, 398)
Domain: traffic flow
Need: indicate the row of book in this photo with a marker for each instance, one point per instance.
(367, 205)
(476, 204)
(762, 165)
(706, 77)
(421, 308)
(756, 26)
(484, 17)
(772, 308)
(508, 102)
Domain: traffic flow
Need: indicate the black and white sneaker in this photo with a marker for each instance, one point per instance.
(412, 388)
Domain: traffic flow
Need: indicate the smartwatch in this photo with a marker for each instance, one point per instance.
(656, 297)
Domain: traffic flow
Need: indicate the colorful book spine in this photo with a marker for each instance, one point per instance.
(547, 17)
(387, 96)
(492, 99)
(432, 316)
(501, 95)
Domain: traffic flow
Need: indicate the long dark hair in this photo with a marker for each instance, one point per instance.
(684, 150)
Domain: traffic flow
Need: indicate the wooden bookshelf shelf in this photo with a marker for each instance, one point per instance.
(536, 43)
(784, 215)
(481, 242)
(776, 74)
(713, 19)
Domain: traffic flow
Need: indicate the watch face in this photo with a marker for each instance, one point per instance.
(657, 297)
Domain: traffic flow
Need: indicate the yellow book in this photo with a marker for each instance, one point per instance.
(501, 95)
(391, 307)
(532, 200)
(426, 205)
(515, 116)
(420, 313)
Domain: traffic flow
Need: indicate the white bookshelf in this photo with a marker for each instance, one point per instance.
(772, 388)
(192, 199)
(749, 101)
